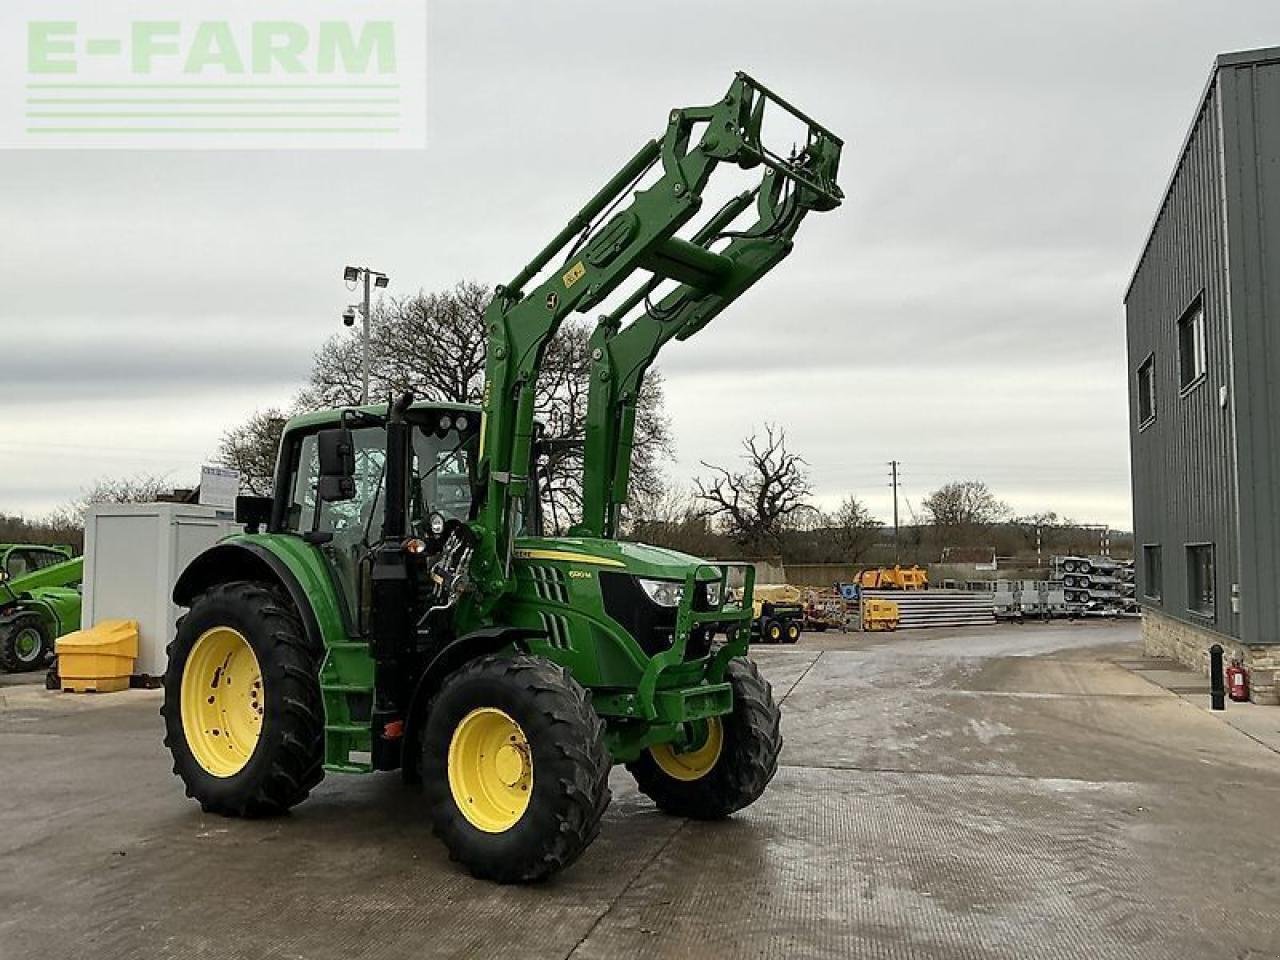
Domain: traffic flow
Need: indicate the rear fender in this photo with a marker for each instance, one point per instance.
(297, 568)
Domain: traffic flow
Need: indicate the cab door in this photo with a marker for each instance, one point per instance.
(353, 525)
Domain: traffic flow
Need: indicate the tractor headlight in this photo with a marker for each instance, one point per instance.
(665, 593)
(713, 593)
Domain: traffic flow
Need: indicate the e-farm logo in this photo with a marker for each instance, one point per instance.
(213, 74)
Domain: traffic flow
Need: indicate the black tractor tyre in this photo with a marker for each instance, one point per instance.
(748, 758)
(793, 632)
(25, 644)
(773, 630)
(567, 754)
(287, 759)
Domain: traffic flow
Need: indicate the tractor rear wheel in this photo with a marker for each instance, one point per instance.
(731, 764)
(242, 709)
(515, 768)
(25, 644)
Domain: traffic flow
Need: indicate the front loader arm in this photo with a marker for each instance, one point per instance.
(622, 355)
(641, 236)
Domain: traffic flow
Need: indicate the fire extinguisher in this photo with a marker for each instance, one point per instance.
(1237, 682)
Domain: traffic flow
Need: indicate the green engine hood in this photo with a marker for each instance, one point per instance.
(637, 558)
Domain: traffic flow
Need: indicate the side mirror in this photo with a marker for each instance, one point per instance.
(337, 465)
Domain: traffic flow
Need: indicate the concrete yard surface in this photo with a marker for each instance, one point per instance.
(1012, 792)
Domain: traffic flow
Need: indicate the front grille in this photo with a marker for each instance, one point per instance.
(653, 626)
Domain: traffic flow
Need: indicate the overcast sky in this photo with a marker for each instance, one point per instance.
(961, 313)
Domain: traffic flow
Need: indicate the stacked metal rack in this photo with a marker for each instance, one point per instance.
(938, 608)
(1096, 586)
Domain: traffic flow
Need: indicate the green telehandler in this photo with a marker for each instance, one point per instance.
(39, 602)
(394, 604)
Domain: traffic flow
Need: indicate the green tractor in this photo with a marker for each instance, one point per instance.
(394, 604)
(39, 602)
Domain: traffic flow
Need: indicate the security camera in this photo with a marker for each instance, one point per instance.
(349, 317)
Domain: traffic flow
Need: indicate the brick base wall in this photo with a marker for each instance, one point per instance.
(1163, 636)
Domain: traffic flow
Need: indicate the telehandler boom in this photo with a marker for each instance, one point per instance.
(402, 609)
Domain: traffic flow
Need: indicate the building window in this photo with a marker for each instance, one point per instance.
(1191, 348)
(1152, 572)
(1200, 579)
(1146, 391)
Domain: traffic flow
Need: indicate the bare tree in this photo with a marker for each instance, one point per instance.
(854, 528)
(757, 503)
(430, 343)
(252, 448)
(963, 507)
(61, 526)
(139, 488)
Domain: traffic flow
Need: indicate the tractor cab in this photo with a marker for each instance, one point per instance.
(438, 463)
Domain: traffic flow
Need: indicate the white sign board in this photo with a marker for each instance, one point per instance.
(219, 486)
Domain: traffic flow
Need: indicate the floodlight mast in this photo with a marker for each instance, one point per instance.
(379, 280)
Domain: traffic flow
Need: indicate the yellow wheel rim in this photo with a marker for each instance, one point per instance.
(222, 701)
(490, 770)
(691, 764)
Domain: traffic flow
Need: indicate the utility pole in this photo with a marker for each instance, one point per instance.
(380, 280)
(893, 466)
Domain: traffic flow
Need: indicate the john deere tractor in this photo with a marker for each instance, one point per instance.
(394, 604)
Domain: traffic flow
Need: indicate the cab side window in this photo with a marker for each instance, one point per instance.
(45, 558)
(18, 565)
(353, 524)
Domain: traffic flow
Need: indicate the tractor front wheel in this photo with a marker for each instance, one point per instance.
(729, 764)
(25, 644)
(515, 768)
(242, 710)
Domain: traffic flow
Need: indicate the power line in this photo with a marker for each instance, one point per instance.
(893, 466)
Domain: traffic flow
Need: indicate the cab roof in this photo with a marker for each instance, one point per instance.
(333, 416)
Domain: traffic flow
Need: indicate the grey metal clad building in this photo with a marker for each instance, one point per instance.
(1203, 320)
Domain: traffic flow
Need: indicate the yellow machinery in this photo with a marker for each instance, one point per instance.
(879, 614)
(776, 593)
(893, 578)
(777, 612)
